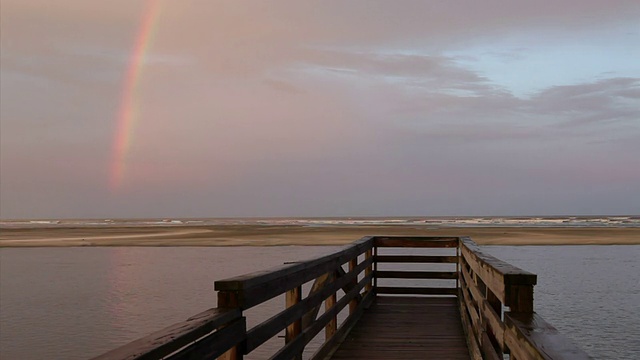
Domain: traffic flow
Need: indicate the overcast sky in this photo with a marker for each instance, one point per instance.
(322, 108)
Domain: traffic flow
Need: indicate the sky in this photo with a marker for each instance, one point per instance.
(196, 108)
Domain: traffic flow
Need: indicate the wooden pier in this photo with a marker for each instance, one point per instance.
(380, 297)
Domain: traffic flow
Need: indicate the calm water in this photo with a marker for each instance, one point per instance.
(73, 303)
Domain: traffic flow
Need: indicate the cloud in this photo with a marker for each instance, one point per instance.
(293, 108)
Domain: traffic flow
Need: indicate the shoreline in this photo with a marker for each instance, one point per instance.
(281, 235)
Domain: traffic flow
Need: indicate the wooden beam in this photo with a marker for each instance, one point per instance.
(528, 336)
(293, 297)
(176, 336)
(416, 241)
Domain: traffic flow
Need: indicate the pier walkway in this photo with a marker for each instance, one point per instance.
(380, 297)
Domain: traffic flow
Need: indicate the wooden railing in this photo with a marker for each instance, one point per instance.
(496, 304)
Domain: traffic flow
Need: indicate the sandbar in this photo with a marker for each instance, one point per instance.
(272, 235)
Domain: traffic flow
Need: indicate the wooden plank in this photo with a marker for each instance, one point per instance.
(332, 325)
(417, 274)
(398, 327)
(353, 304)
(298, 344)
(312, 268)
(311, 315)
(174, 337)
(488, 352)
(470, 306)
(423, 259)
(528, 336)
(416, 290)
(369, 269)
(267, 286)
(498, 275)
(293, 297)
(331, 345)
(472, 342)
(489, 316)
(269, 328)
(214, 344)
(416, 241)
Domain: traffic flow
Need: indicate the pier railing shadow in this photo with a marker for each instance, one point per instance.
(495, 299)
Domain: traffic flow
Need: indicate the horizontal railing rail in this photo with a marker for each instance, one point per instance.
(496, 307)
(206, 335)
(415, 242)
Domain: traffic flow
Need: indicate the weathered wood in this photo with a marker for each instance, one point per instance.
(520, 298)
(174, 337)
(269, 328)
(353, 304)
(416, 241)
(369, 269)
(497, 275)
(214, 344)
(311, 315)
(483, 285)
(472, 342)
(398, 327)
(311, 268)
(332, 325)
(416, 259)
(331, 345)
(472, 311)
(488, 352)
(489, 316)
(298, 344)
(528, 336)
(293, 297)
(417, 274)
(256, 288)
(416, 290)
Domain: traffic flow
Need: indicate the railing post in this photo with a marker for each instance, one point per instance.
(353, 304)
(230, 299)
(332, 325)
(375, 266)
(520, 298)
(293, 297)
(458, 272)
(368, 254)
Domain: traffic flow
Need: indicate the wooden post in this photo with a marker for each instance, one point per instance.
(229, 299)
(458, 272)
(353, 304)
(368, 270)
(293, 297)
(375, 268)
(332, 325)
(520, 298)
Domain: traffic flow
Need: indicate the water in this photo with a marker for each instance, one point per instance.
(74, 303)
(432, 221)
(591, 294)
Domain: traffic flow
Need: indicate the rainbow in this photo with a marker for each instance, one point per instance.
(127, 113)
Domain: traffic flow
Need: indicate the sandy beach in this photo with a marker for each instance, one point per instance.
(270, 235)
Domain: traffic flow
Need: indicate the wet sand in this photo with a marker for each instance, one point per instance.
(269, 235)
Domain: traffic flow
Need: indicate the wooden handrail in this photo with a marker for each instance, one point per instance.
(224, 327)
(496, 306)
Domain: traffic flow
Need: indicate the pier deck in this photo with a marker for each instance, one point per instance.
(407, 328)
(381, 297)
